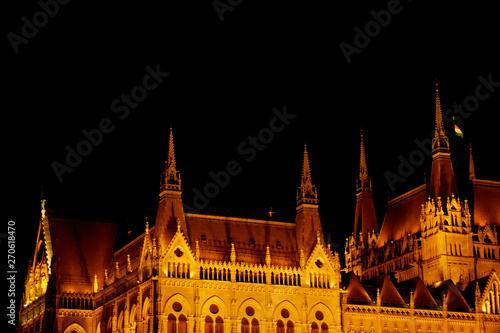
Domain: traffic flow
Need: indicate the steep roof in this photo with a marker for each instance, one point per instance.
(356, 293)
(250, 238)
(454, 299)
(82, 249)
(486, 204)
(402, 215)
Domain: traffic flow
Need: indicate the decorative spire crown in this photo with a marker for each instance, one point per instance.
(306, 193)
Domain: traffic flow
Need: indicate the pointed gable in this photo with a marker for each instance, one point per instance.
(322, 269)
(422, 298)
(448, 291)
(178, 260)
(389, 295)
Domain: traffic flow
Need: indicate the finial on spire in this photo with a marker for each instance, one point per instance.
(147, 225)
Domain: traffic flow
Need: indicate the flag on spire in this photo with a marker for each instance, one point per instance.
(458, 132)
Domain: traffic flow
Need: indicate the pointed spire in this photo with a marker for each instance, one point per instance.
(472, 171)
(440, 141)
(171, 178)
(306, 193)
(364, 182)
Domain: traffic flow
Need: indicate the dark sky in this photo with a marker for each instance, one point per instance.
(225, 78)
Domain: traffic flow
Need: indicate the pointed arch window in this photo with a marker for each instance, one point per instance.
(171, 324)
(245, 326)
(280, 327)
(182, 326)
(255, 326)
(209, 324)
(219, 325)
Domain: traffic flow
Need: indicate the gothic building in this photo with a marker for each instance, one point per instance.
(430, 267)
(435, 256)
(237, 275)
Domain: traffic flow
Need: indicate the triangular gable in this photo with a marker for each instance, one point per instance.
(178, 259)
(421, 295)
(322, 269)
(487, 296)
(389, 295)
(454, 299)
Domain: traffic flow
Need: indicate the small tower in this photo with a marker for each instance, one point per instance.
(365, 219)
(170, 207)
(442, 182)
(307, 222)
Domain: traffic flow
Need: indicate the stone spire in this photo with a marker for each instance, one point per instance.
(442, 181)
(170, 208)
(306, 193)
(365, 219)
(307, 222)
(472, 171)
(440, 141)
(364, 182)
(171, 178)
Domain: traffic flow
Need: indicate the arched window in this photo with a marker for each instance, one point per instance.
(280, 327)
(245, 326)
(314, 328)
(171, 324)
(290, 327)
(219, 325)
(324, 328)
(255, 326)
(182, 328)
(209, 324)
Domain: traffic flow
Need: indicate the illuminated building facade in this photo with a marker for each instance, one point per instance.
(432, 265)
(237, 275)
(430, 268)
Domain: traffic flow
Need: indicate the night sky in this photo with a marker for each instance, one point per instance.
(224, 79)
